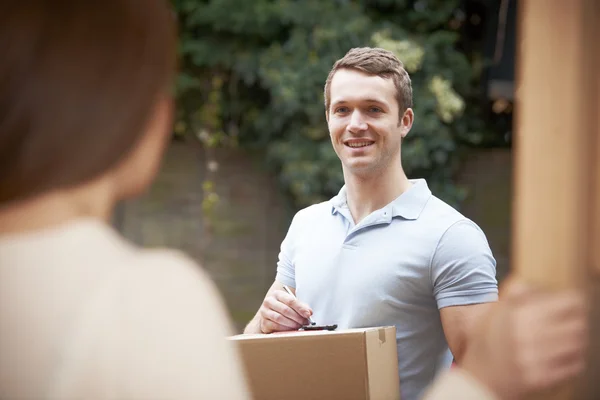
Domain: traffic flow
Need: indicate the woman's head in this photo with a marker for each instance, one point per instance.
(84, 90)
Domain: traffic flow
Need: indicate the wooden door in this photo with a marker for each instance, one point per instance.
(556, 217)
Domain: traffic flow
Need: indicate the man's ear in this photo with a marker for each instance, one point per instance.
(406, 122)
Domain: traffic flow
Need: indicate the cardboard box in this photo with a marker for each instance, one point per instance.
(351, 364)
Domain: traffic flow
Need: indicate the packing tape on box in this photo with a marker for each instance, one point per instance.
(381, 335)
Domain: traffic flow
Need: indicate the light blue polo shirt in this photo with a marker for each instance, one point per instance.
(398, 266)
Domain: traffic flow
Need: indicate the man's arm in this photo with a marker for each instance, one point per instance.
(463, 273)
(459, 322)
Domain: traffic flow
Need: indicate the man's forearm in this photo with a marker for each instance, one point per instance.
(460, 324)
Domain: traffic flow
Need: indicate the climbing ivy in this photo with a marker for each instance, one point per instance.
(252, 74)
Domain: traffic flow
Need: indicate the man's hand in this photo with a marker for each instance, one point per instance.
(529, 342)
(279, 311)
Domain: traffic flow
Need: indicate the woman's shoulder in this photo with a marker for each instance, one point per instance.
(169, 278)
(162, 315)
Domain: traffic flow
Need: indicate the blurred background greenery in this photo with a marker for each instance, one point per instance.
(251, 144)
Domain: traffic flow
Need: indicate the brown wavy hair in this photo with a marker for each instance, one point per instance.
(78, 82)
(375, 61)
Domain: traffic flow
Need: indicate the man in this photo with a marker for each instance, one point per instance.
(384, 251)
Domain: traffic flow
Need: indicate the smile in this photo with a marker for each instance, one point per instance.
(357, 144)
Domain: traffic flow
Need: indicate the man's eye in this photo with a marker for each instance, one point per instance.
(341, 110)
(375, 110)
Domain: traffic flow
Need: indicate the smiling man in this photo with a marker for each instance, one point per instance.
(384, 251)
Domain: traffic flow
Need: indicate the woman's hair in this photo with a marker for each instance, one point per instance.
(79, 80)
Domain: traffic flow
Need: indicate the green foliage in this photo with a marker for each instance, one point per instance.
(253, 74)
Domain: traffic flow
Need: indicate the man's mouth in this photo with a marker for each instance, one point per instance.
(359, 143)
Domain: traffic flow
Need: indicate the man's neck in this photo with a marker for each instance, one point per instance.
(53, 209)
(374, 191)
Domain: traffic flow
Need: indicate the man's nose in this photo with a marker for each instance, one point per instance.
(357, 122)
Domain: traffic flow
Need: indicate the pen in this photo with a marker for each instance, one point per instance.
(287, 289)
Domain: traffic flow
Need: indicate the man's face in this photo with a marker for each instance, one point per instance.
(364, 123)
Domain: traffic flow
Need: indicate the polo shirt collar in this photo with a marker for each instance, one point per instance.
(408, 205)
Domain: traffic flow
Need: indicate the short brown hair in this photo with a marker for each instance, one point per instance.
(78, 82)
(375, 61)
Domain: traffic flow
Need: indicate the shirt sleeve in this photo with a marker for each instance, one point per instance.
(463, 269)
(286, 272)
